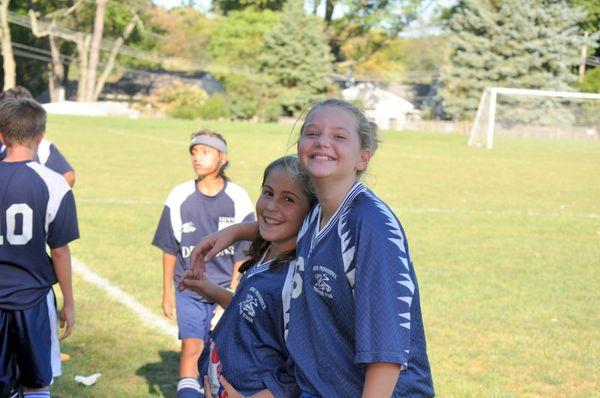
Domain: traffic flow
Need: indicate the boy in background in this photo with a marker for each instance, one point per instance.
(48, 154)
(194, 209)
(36, 208)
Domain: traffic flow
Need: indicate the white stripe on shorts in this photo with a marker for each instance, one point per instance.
(55, 347)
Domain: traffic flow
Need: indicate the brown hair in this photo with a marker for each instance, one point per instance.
(22, 121)
(211, 133)
(16, 92)
(292, 167)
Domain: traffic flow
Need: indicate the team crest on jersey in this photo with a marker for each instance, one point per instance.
(188, 227)
(250, 304)
(323, 278)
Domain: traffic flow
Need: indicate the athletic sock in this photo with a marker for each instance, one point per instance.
(188, 387)
(37, 394)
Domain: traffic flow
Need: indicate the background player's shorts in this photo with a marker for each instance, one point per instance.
(55, 347)
(193, 316)
(28, 339)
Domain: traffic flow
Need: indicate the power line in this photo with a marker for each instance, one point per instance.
(64, 59)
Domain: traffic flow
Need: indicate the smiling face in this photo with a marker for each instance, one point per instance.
(207, 160)
(280, 210)
(329, 147)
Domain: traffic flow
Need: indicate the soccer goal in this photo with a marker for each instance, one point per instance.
(535, 113)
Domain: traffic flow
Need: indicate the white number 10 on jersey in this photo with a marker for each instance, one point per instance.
(11, 224)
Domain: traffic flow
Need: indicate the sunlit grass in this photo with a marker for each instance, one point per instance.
(506, 244)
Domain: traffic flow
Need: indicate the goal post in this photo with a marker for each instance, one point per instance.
(534, 113)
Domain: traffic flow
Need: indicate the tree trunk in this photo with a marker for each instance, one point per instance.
(83, 49)
(113, 56)
(57, 74)
(95, 49)
(329, 6)
(10, 69)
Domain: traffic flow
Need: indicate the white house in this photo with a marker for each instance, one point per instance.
(388, 110)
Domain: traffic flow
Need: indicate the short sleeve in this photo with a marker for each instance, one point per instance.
(383, 288)
(164, 238)
(57, 162)
(64, 227)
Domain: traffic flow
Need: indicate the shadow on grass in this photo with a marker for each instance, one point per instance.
(162, 376)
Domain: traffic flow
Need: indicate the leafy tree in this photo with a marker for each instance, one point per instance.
(591, 22)
(226, 6)
(415, 58)
(297, 58)
(512, 43)
(377, 21)
(181, 32)
(234, 40)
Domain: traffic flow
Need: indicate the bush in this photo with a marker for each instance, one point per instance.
(215, 108)
(246, 94)
(183, 101)
(591, 81)
(269, 110)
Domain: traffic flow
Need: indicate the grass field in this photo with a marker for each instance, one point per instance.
(506, 244)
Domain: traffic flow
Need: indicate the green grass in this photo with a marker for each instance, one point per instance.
(506, 244)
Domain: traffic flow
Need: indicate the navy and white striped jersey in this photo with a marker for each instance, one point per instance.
(356, 301)
(48, 155)
(36, 208)
(250, 338)
(189, 215)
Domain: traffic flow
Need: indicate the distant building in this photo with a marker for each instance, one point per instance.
(140, 83)
(135, 85)
(388, 110)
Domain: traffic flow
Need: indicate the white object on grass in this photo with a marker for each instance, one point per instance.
(88, 380)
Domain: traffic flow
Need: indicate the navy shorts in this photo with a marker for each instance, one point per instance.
(29, 341)
(193, 316)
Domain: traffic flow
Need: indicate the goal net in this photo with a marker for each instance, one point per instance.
(535, 113)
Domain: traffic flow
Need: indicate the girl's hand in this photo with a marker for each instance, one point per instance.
(206, 250)
(199, 285)
(213, 244)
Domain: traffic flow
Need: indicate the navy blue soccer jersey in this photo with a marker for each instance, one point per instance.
(189, 215)
(250, 337)
(356, 301)
(36, 208)
(48, 155)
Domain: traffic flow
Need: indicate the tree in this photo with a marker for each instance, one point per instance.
(10, 73)
(377, 21)
(234, 40)
(591, 22)
(511, 43)
(297, 58)
(88, 45)
(181, 33)
(226, 6)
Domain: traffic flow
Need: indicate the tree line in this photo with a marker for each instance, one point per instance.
(274, 57)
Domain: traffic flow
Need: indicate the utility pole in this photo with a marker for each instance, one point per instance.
(583, 57)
